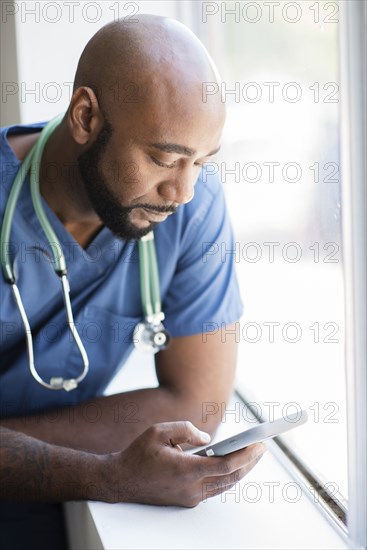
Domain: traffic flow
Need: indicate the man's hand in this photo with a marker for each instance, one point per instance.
(155, 470)
(152, 470)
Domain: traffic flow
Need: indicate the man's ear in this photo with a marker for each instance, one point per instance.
(85, 119)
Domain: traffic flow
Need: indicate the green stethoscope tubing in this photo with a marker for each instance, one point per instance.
(149, 285)
(33, 161)
(148, 266)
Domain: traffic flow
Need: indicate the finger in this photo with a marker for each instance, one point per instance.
(217, 465)
(244, 456)
(232, 478)
(176, 433)
(221, 482)
(217, 485)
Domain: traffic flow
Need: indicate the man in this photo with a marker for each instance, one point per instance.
(126, 158)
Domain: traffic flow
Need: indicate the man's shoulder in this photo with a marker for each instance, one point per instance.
(199, 220)
(208, 191)
(208, 201)
(16, 129)
(15, 141)
(209, 181)
(17, 138)
(21, 129)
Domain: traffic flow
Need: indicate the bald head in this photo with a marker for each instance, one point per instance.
(126, 63)
(138, 124)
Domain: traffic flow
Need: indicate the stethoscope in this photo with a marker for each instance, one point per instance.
(149, 335)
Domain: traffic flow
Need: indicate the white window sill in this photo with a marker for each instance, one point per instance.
(247, 517)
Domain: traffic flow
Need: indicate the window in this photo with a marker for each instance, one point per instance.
(280, 169)
(280, 166)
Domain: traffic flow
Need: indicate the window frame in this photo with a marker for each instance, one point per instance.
(330, 504)
(352, 63)
(353, 60)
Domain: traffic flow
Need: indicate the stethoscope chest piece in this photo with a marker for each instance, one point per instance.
(151, 336)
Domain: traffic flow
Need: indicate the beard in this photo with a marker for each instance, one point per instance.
(107, 206)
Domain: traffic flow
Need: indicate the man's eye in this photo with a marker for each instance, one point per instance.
(162, 164)
(173, 164)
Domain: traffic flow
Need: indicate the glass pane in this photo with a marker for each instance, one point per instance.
(280, 168)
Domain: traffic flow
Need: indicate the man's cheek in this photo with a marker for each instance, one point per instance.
(122, 172)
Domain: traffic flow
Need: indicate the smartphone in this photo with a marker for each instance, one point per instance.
(258, 433)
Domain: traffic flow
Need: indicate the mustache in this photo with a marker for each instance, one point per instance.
(164, 209)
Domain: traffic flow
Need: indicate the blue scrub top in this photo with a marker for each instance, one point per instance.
(199, 291)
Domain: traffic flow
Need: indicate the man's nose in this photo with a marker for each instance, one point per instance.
(180, 188)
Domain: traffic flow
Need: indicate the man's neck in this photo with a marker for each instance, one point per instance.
(60, 184)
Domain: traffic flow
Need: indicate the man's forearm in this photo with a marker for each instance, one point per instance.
(110, 423)
(37, 471)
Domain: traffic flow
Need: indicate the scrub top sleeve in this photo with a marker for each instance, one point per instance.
(204, 294)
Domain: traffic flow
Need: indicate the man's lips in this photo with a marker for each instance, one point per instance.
(154, 216)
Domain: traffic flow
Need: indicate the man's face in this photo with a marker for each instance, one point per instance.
(141, 169)
(115, 215)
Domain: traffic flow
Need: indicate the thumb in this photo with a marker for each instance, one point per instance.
(184, 432)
